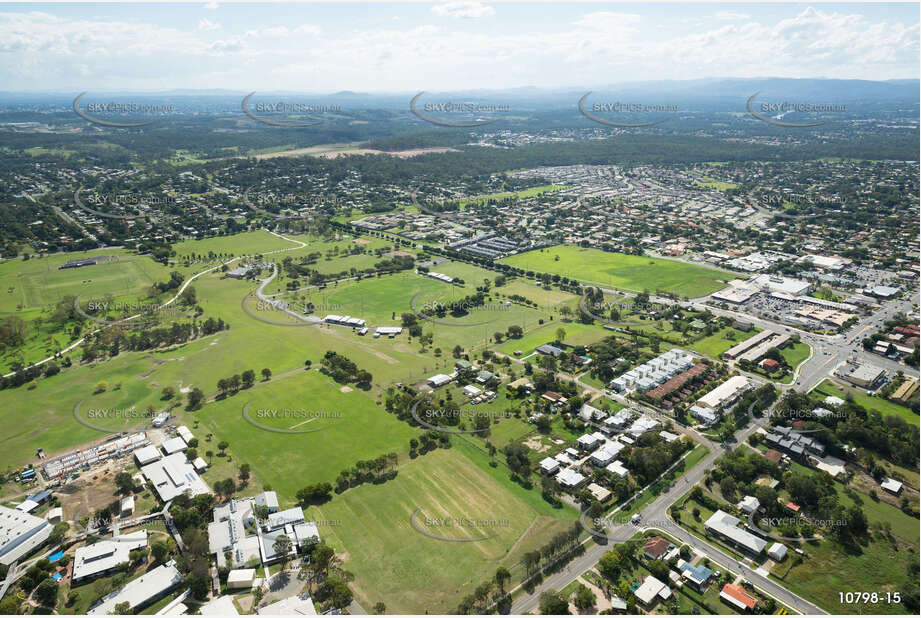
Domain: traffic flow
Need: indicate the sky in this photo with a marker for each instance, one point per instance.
(444, 46)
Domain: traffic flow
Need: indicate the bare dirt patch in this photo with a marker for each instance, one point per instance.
(345, 389)
(536, 444)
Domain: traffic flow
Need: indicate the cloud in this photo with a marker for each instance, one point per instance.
(466, 10)
(206, 25)
(211, 6)
(732, 15)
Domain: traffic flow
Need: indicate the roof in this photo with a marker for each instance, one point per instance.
(174, 475)
(569, 477)
(696, 573)
(656, 546)
(141, 590)
(267, 498)
(20, 533)
(174, 445)
(891, 485)
(294, 515)
(147, 454)
(777, 550)
(241, 575)
(737, 596)
(724, 392)
(649, 589)
(726, 524)
(298, 605)
(221, 606)
(103, 555)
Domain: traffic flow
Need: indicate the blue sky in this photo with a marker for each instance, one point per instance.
(402, 47)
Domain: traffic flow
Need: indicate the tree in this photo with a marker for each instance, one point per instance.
(47, 592)
(244, 472)
(583, 598)
(379, 608)
(501, 577)
(124, 482)
(168, 392)
(222, 446)
(266, 373)
(553, 602)
(282, 547)
(560, 334)
(159, 551)
(121, 609)
(248, 377)
(196, 396)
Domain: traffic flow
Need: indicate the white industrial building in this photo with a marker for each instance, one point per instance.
(725, 394)
(141, 592)
(103, 556)
(726, 525)
(174, 475)
(20, 534)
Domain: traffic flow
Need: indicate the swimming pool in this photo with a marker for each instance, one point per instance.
(55, 556)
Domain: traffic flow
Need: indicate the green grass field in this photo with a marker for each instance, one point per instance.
(393, 561)
(716, 344)
(628, 272)
(531, 192)
(883, 406)
(345, 427)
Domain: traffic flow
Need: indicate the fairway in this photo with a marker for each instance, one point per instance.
(393, 561)
(628, 272)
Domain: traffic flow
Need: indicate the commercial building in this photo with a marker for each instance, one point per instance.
(757, 352)
(794, 442)
(104, 556)
(20, 534)
(740, 348)
(862, 375)
(141, 592)
(783, 285)
(726, 526)
(726, 393)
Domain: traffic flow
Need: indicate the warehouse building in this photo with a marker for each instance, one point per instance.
(20, 534)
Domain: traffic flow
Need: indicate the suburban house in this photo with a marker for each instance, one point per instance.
(726, 526)
(656, 548)
(736, 597)
(650, 591)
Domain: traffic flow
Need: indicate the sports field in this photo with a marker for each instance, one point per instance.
(393, 561)
(883, 406)
(716, 344)
(627, 272)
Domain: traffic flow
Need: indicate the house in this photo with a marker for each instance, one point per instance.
(794, 442)
(141, 592)
(777, 552)
(268, 499)
(553, 397)
(698, 576)
(642, 425)
(607, 453)
(549, 465)
(793, 508)
(617, 422)
(484, 376)
(656, 548)
(769, 365)
(725, 525)
(241, 578)
(550, 350)
(668, 436)
(773, 456)
(102, 557)
(651, 591)
(598, 492)
(569, 478)
(749, 505)
(463, 365)
(831, 400)
(520, 383)
(590, 413)
(617, 468)
(736, 597)
(892, 486)
(705, 415)
(587, 442)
